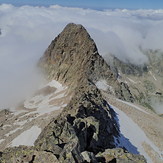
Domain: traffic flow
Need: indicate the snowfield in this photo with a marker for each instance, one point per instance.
(102, 85)
(28, 119)
(27, 138)
(135, 135)
(42, 102)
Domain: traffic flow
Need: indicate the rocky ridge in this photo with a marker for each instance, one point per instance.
(73, 61)
(85, 130)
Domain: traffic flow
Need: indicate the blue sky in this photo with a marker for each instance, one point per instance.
(95, 4)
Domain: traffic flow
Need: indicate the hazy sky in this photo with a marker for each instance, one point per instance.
(96, 4)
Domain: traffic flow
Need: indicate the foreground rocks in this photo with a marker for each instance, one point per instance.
(30, 155)
(26, 154)
(85, 129)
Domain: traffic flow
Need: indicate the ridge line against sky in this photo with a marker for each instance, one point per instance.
(94, 4)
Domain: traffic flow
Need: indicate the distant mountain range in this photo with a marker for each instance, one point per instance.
(145, 81)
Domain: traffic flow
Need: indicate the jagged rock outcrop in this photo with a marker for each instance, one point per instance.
(85, 130)
(86, 124)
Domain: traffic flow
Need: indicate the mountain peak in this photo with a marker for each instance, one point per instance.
(73, 58)
(73, 55)
(75, 28)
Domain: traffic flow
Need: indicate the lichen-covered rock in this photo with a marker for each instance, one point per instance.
(89, 157)
(118, 155)
(24, 154)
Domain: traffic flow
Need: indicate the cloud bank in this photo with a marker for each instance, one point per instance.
(27, 31)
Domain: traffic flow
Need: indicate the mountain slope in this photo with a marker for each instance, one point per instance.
(145, 81)
(84, 128)
(87, 112)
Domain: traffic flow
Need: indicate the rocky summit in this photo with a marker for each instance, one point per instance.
(73, 57)
(86, 129)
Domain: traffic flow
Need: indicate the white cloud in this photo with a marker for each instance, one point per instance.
(27, 31)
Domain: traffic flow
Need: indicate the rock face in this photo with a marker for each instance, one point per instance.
(73, 57)
(144, 81)
(85, 130)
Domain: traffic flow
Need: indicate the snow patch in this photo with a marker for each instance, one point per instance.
(102, 84)
(131, 80)
(43, 110)
(132, 105)
(57, 85)
(61, 95)
(15, 111)
(41, 102)
(21, 123)
(135, 135)
(152, 75)
(1, 140)
(42, 107)
(27, 138)
(13, 131)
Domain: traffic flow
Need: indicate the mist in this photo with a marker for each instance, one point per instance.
(27, 31)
